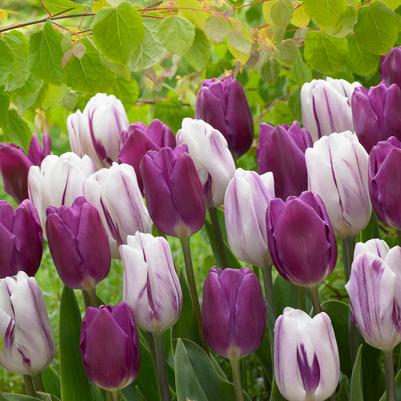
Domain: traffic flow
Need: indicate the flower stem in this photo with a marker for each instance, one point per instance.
(348, 245)
(389, 371)
(161, 368)
(314, 292)
(113, 395)
(30, 389)
(186, 249)
(221, 255)
(235, 368)
(37, 380)
(90, 298)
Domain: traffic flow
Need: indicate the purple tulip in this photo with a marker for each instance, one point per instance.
(15, 164)
(390, 67)
(222, 104)
(233, 312)
(301, 239)
(376, 115)
(78, 244)
(140, 139)
(173, 191)
(281, 150)
(385, 182)
(21, 239)
(110, 346)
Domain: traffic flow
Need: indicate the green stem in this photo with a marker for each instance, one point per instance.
(301, 298)
(30, 389)
(389, 371)
(113, 395)
(314, 292)
(90, 298)
(37, 380)
(161, 368)
(186, 249)
(221, 257)
(235, 368)
(348, 245)
(399, 237)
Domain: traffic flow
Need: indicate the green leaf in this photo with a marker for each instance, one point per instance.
(344, 389)
(377, 28)
(359, 60)
(199, 53)
(16, 397)
(345, 23)
(325, 12)
(285, 294)
(275, 394)
(193, 11)
(397, 388)
(15, 129)
(26, 96)
(356, 393)
(151, 51)
(325, 53)
(177, 34)
(287, 52)
(126, 91)
(373, 376)
(217, 28)
(239, 44)
(58, 6)
(278, 14)
(300, 72)
(88, 73)
(393, 4)
(117, 32)
(74, 383)
(196, 377)
(6, 61)
(51, 381)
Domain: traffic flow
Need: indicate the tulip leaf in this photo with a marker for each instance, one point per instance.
(397, 388)
(17, 397)
(74, 383)
(373, 375)
(275, 394)
(325, 12)
(344, 389)
(356, 393)
(51, 381)
(196, 378)
(118, 31)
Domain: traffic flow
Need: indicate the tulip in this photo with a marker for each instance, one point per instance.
(57, 181)
(110, 346)
(151, 285)
(116, 194)
(21, 239)
(173, 191)
(233, 312)
(15, 164)
(281, 150)
(222, 104)
(390, 67)
(326, 106)
(25, 333)
(306, 361)
(376, 114)
(375, 293)
(140, 139)
(214, 162)
(301, 239)
(338, 171)
(246, 232)
(78, 244)
(98, 130)
(384, 184)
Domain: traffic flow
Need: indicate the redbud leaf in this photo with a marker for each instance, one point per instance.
(325, 12)
(360, 61)
(199, 53)
(58, 6)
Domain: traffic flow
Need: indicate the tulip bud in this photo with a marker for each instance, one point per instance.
(376, 114)
(57, 181)
(390, 67)
(116, 194)
(301, 239)
(306, 361)
(173, 191)
(281, 150)
(14, 165)
(110, 346)
(25, 335)
(223, 104)
(338, 171)
(78, 244)
(151, 285)
(246, 232)
(233, 312)
(21, 239)
(374, 289)
(384, 185)
(140, 139)
(326, 106)
(213, 160)
(97, 131)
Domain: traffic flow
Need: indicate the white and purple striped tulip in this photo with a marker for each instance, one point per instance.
(245, 203)
(338, 171)
(306, 361)
(151, 285)
(58, 181)
(326, 106)
(98, 130)
(116, 194)
(25, 335)
(213, 159)
(374, 289)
